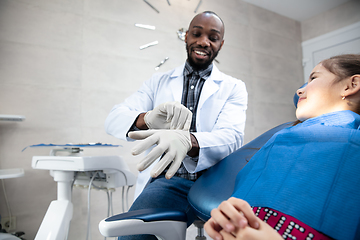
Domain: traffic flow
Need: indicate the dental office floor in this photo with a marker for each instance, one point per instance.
(65, 64)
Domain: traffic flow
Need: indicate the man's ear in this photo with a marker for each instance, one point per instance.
(353, 85)
(222, 43)
(186, 34)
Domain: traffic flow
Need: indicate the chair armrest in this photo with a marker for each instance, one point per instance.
(165, 223)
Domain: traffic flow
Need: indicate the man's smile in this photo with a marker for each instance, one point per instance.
(201, 54)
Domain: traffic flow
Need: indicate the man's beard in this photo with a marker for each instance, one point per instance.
(197, 65)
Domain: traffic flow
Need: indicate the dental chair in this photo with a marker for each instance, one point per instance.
(213, 187)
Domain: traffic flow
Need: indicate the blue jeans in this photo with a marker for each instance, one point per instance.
(163, 193)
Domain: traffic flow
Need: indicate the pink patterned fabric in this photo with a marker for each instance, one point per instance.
(288, 227)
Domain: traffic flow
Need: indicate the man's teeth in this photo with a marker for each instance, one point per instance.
(200, 53)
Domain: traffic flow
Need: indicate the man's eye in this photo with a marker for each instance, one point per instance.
(196, 34)
(214, 39)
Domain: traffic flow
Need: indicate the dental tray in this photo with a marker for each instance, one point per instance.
(72, 145)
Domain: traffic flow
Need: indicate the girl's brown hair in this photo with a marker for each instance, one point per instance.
(343, 66)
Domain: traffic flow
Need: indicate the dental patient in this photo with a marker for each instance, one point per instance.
(304, 182)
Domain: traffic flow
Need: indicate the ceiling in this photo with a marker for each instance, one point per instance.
(299, 10)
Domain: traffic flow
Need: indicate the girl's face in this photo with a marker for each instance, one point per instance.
(321, 95)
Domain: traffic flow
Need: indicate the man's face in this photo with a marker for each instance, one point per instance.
(204, 40)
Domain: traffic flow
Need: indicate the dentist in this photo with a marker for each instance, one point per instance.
(193, 114)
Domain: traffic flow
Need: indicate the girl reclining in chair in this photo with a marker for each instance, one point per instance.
(304, 183)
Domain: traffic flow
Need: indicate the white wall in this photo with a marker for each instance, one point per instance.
(345, 40)
(64, 64)
(331, 20)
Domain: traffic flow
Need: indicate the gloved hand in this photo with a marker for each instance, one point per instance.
(169, 115)
(174, 143)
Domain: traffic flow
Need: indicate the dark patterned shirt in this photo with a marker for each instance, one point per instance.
(193, 83)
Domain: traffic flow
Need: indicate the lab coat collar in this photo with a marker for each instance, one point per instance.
(211, 85)
(176, 82)
(216, 75)
(178, 72)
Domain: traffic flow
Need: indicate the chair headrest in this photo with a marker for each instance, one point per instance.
(296, 97)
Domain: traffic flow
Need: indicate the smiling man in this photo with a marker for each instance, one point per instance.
(193, 114)
(204, 40)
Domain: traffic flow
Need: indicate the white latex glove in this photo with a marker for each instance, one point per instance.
(174, 143)
(169, 115)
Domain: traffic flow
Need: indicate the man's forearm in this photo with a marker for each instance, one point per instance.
(140, 122)
(194, 151)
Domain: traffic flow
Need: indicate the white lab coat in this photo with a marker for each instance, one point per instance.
(220, 116)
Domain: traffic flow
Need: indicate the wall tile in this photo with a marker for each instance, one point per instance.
(274, 45)
(231, 12)
(273, 23)
(269, 115)
(239, 36)
(105, 72)
(234, 59)
(269, 66)
(43, 107)
(25, 64)
(94, 101)
(70, 6)
(346, 14)
(23, 23)
(341, 16)
(279, 91)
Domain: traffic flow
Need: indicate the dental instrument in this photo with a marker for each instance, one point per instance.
(145, 26)
(198, 6)
(7, 117)
(161, 63)
(148, 45)
(152, 6)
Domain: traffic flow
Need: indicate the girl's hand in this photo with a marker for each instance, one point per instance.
(230, 216)
(264, 232)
